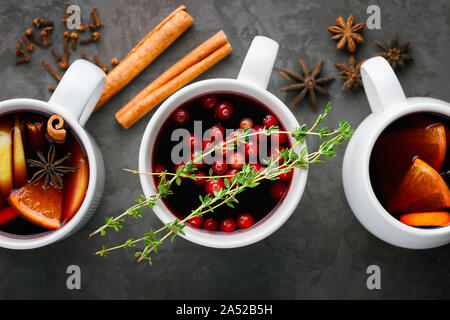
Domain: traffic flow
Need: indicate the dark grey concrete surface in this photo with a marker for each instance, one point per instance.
(322, 251)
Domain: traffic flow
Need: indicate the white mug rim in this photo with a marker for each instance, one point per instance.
(238, 239)
(33, 105)
(413, 105)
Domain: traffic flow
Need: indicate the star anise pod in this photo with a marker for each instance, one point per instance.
(305, 83)
(50, 168)
(395, 54)
(347, 33)
(351, 73)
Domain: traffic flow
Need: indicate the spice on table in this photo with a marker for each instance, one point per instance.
(19, 49)
(114, 62)
(347, 33)
(85, 57)
(42, 23)
(28, 44)
(66, 37)
(51, 88)
(64, 64)
(45, 39)
(66, 14)
(23, 59)
(51, 70)
(56, 132)
(351, 73)
(305, 82)
(56, 55)
(93, 37)
(150, 47)
(395, 54)
(184, 71)
(100, 64)
(31, 34)
(94, 20)
(74, 37)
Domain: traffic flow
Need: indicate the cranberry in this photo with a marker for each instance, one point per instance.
(236, 160)
(257, 166)
(224, 110)
(159, 168)
(278, 138)
(219, 167)
(209, 101)
(270, 120)
(257, 129)
(277, 190)
(192, 141)
(210, 224)
(214, 185)
(245, 220)
(246, 123)
(181, 116)
(275, 153)
(207, 145)
(286, 176)
(216, 132)
(196, 222)
(251, 149)
(198, 163)
(231, 172)
(179, 165)
(200, 181)
(228, 225)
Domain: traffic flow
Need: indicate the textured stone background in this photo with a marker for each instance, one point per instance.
(322, 251)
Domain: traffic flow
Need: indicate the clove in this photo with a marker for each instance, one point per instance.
(94, 20)
(42, 23)
(74, 37)
(51, 70)
(66, 37)
(56, 55)
(30, 46)
(66, 14)
(31, 34)
(85, 57)
(100, 64)
(19, 49)
(93, 37)
(114, 62)
(64, 64)
(25, 58)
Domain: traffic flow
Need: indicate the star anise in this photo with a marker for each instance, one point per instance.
(306, 82)
(351, 73)
(348, 33)
(50, 168)
(395, 54)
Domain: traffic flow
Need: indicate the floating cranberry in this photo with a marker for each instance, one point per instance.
(275, 153)
(231, 173)
(251, 149)
(179, 165)
(192, 141)
(159, 168)
(257, 166)
(198, 163)
(212, 186)
(196, 222)
(219, 167)
(285, 176)
(236, 160)
(209, 101)
(224, 110)
(245, 220)
(270, 120)
(207, 145)
(210, 224)
(181, 116)
(246, 123)
(259, 129)
(228, 225)
(216, 133)
(200, 181)
(278, 138)
(277, 190)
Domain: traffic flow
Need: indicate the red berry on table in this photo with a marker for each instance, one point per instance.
(210, 224)
(181, 116)
(231, 173)
(277, 190)
(224, 110)
(209, 101)
(216, 133)
(245, 220)
(236, 160)
(246, 123)
(200, 181)
(285, 176)
(270, 120)
(219, 167)
(196, 222)
(228, 225)
(212, 186)
(251, 149)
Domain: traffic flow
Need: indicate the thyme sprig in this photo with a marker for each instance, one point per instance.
(296, 157)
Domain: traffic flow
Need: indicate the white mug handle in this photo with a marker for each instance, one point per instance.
(383, 90)
(79, 89)
(259, 61)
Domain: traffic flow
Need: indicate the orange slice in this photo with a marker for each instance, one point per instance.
(422, 189)
(426, 219)
(395, 150)
(40, 206)
(7, 214)
(75, 183)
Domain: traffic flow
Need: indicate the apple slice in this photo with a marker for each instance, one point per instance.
(7, 214)
(426, 219)
(6, 169)
(395, 150)
(20, 164)
(75, 183)
(42, 207)
(422, 189)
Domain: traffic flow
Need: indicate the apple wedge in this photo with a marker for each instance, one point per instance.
(6, 168)
(20, 164)
(75, 183)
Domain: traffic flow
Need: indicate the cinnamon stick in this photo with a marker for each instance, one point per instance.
(150, 47)
(187, 69)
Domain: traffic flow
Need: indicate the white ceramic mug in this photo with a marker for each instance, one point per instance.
(252, 81)
(74, 99)
(388, 103)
